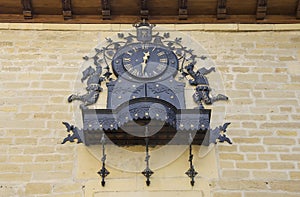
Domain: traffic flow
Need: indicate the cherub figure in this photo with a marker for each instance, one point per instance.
(198, 76)
(202, 91)
(93, 88)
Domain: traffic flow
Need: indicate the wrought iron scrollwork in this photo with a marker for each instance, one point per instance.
(75, 133)
(218, 134)
(141, 97)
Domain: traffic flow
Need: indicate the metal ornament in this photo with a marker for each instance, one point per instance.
(103, 171)
(191, 171)
(147, 172)
(145, 86)
(75, 133)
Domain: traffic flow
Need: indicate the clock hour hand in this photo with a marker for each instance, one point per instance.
(145, 60)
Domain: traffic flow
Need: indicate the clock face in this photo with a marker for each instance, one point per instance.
(144, 60)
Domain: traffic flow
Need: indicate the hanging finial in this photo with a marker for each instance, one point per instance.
(103, 172)
(147, 172)
(191, 171)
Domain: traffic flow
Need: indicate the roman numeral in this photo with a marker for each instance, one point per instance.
(135, 49)
(160, 53)
(126, 59)
(128, 66)
(164, 60)
(129, 53)
(135, 72)
(160, 67)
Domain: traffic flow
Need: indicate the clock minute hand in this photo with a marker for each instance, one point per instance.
(145, 60)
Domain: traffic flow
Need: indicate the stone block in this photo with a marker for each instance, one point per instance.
(252, 165)
(38, 188)
(255, 27)
(288, 186)
(282, 165)
(220, 27)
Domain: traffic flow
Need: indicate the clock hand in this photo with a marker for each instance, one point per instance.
(145, 60)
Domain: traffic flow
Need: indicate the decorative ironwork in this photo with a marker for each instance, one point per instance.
(93, 88)
(75, 133)
(159, 97)
(147, 172)
(103, 172)
(191, 171)
(218, 134)
(202, 93)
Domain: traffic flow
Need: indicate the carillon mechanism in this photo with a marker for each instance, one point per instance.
(145, 74)
(103, 172)
(147, 172)
(191, 171)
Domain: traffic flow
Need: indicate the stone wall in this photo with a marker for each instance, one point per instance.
(260, 68)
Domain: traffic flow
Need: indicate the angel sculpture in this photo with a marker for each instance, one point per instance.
(218, 134)
(198, 76)
(202, 91)
(93, 88)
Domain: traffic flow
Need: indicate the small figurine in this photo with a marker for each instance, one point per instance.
(198, 76)
(202, 93)
(93, 88)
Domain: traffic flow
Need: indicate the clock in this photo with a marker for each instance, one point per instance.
(144, 61)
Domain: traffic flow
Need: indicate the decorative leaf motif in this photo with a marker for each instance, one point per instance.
(116, 46)
(120, 35)
(129, 39)
(110, 53)
(86, 58)
(109, 40)
(98, 50)
(166, 35)
(157, 40)
(170, 44)
(178, 40)
(179, 52)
